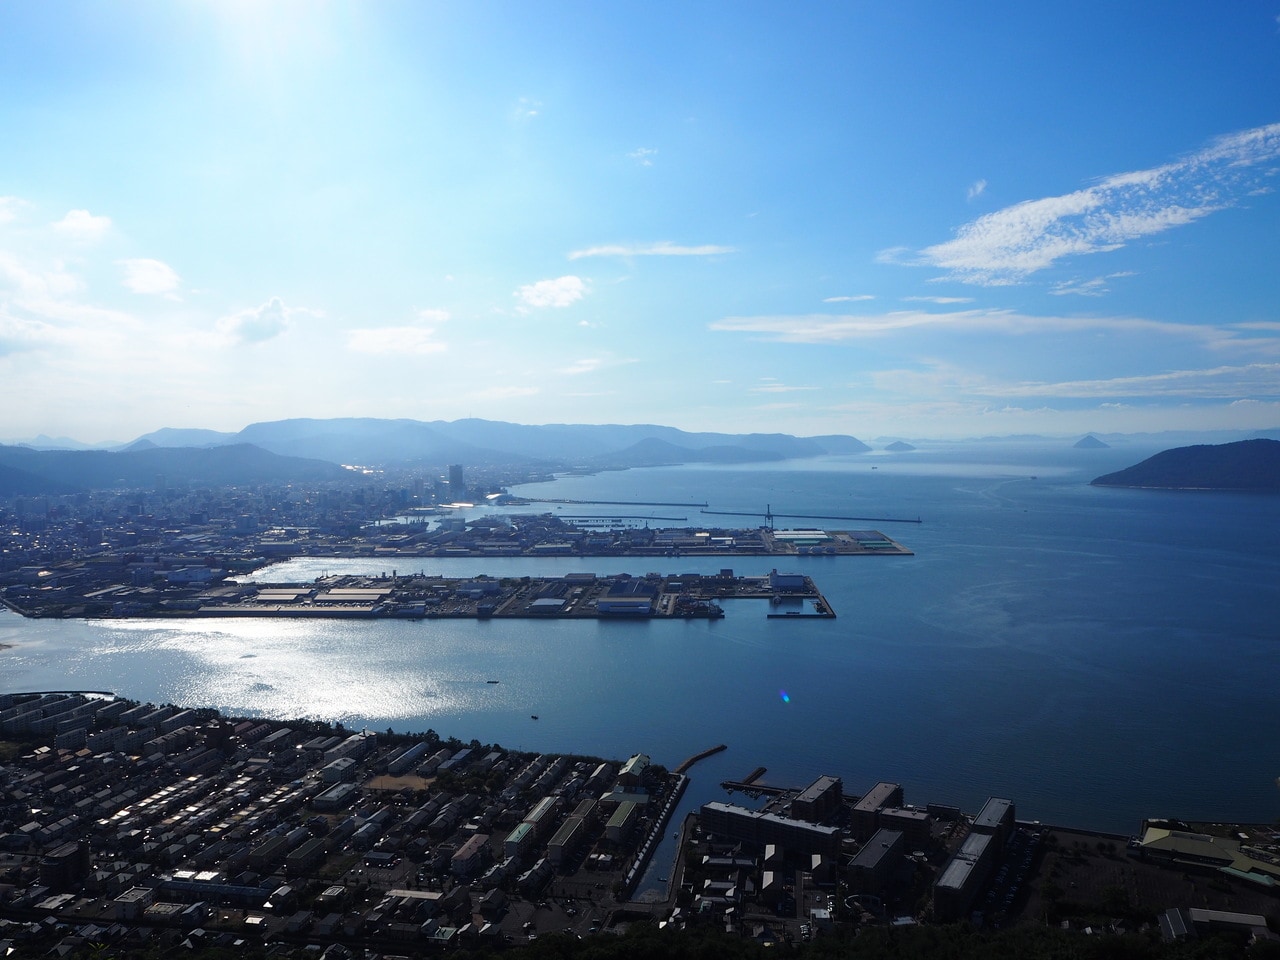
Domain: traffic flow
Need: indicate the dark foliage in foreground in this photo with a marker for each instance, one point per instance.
(646, 942)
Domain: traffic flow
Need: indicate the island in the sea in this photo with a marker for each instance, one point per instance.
(1244, 465)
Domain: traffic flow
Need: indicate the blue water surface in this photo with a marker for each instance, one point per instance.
(1099, 655)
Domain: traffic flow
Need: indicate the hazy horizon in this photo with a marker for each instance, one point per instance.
(1172, 436)
(906, 221)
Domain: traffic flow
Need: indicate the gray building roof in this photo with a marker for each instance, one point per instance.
(882, 844)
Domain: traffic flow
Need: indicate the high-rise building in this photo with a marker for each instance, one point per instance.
(456, 487)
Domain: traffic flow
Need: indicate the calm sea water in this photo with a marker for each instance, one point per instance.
(1097, 655)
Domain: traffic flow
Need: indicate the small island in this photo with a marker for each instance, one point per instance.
(1252, 465)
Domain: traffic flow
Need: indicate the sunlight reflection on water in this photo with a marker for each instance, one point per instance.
(294, 669)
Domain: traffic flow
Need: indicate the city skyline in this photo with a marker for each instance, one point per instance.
(917, 221)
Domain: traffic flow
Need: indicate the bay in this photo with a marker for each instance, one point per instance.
(1097, 655)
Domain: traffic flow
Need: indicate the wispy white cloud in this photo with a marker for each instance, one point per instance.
(395, 340)
(20, 334)
(1254, 380)
(643, 156)
(594, 364)
(560, 292)
(942, 380)
(585, 365)
(663, 248)
(778, 406)
(899, 257)
(28, 283)
(825, 328)
(1096, 287)
(526, 108)
(976, 189)
(853, 299)
(149, 276)
(48, 292)
(259, 324)
(9, 207)
(779, 388)
(504, 393)
(418, 339)
(1009, 245)
(939, 300)
(82, 226)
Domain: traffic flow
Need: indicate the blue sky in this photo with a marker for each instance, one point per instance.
(908, 219)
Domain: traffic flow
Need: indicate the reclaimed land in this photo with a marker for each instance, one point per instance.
(549, 535)
(420, 596)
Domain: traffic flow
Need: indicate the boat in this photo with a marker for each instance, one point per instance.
(491, 681)
(533, 716)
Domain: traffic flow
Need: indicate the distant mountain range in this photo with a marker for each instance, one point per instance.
(379, 442)
(1244, 465)
(307, 449)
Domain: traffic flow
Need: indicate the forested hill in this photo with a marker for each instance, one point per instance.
(1244, 465)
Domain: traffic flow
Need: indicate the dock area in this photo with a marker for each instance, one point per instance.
(751, 786)
(422, 596)
(626, 533)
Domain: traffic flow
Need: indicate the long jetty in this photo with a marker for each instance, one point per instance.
(684, 767)
(810, 516)
(613, 503)
(613, 516)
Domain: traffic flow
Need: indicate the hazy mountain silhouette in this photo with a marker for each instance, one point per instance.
(177, 437)
(16, 482)
(1090, 442)
(385, 442)
(65, 471)
(653, 452)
